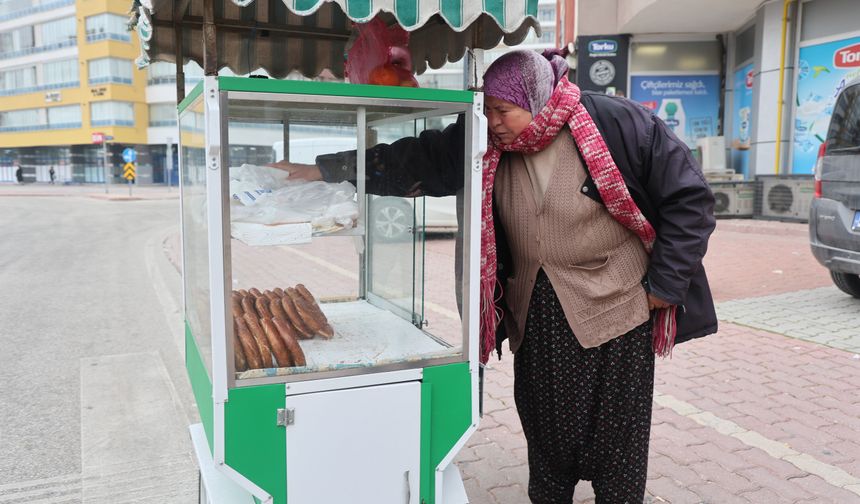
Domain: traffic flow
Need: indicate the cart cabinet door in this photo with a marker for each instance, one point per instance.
(358, 445)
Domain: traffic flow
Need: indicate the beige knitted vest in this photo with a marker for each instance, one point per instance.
(594, 263)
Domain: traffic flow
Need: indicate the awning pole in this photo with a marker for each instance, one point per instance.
(210, 41)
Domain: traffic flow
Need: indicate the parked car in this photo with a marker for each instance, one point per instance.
(392, 217)
(834, 220)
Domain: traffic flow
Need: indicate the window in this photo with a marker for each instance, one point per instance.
(843, 136)
(548, 36)
(16, 80)
(546, 13)
(59, 32)
(61, 73)
(15, 41)
(161, 72)
(68, 116)
(162, 114)
(112, 113)
(107, 26)
(22, 120)
(109, 70)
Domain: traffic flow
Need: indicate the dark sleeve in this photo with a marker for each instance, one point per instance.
(430, 164)
(683, 212)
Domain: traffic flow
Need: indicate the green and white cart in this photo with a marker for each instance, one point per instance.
(379, 411)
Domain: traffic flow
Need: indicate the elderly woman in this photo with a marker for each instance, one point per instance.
(606, 220)
(595, 223)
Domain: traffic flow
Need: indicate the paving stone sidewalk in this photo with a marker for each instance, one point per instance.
(749, 415)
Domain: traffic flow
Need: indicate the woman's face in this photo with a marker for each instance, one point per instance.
(506, 120)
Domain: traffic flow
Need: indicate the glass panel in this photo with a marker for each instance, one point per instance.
(195, 230)
(365, 274)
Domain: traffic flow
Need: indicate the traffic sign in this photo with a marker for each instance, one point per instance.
(98, 137)
(129, 155)
(128, 171)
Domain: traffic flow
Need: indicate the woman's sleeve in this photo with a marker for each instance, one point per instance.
(430, 164)
(684, 206)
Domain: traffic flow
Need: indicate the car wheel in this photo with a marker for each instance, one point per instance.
(847, 283)
(390, 219)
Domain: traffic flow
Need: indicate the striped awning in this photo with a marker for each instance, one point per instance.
(309, 36)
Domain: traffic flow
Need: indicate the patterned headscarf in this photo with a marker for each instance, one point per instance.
(525, 78)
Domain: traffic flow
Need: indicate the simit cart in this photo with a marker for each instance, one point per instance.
(330, 363)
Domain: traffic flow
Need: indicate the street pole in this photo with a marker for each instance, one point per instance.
(105, 165)
(169, 161)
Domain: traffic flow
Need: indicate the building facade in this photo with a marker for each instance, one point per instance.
(66, 70)
(763, 75)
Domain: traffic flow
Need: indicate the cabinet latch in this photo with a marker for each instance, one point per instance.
(286, 417)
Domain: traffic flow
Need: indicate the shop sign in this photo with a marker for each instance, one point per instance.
(688, 104)
(822, 71)
(742, 118)
(602, 48)
(847, 57)
(601, 63)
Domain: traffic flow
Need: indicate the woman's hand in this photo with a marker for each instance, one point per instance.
(298, 171)
(655, 303)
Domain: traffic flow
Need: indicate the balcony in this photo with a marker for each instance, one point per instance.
(40, 49)
(37, 89)
(35, 9)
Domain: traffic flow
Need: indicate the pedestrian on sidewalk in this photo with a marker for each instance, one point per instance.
(19, 174)
(603, 221)
(52, 174)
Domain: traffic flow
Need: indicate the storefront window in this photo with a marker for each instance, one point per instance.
(107, 26)
(112, 113)
(114, 70)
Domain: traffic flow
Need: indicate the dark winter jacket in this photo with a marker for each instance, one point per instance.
(661, 175)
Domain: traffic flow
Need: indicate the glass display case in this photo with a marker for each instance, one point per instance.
(315, 290)
(289, 279)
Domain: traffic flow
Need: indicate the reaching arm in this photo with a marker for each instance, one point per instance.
(430, 164)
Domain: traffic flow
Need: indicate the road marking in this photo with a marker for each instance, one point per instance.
(441, 310)
(803, 461)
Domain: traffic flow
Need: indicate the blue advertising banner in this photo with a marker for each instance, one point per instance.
(742, 119)
(690, 104)
(823, 70)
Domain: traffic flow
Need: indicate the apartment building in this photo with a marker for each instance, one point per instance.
(66, 70)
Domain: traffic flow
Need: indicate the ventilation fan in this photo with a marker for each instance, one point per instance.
(733, 199)
(786, 197)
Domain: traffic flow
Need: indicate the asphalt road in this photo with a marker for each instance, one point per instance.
(95, 403)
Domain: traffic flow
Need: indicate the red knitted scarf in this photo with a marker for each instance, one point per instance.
(563, 109)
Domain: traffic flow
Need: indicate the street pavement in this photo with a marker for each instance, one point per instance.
(765, 411)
